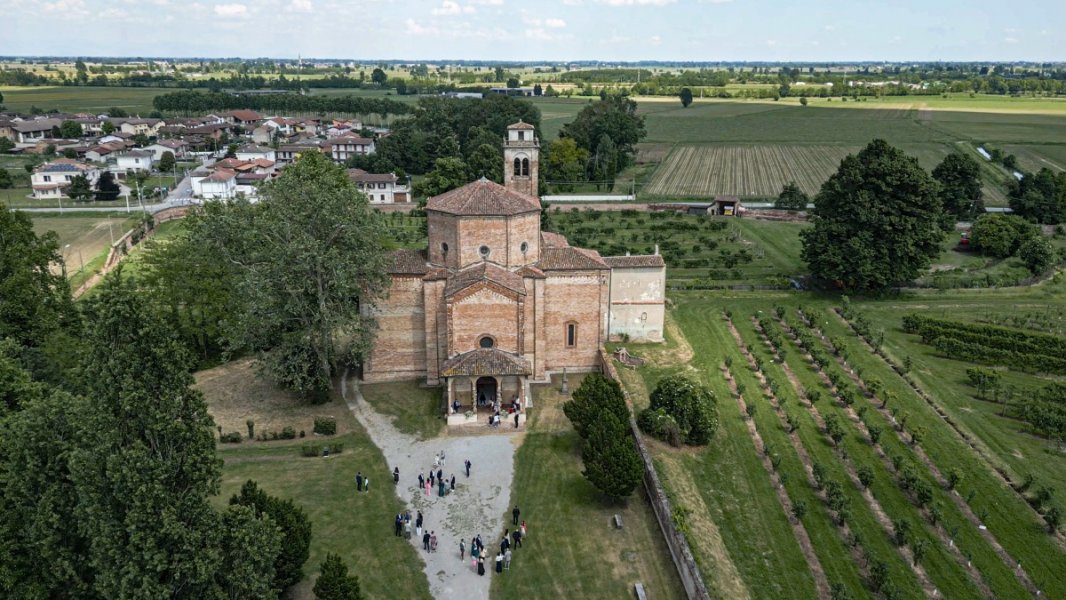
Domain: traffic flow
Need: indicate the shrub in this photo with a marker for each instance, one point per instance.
(310, 451)
(691, 405)
(658, 424)
(230, 438)
(289, 433)
(251, 429)
(325, 426)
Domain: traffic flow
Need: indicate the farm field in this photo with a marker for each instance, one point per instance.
(89, 238)
(81, 99)
(780, 385)
(1035, 157)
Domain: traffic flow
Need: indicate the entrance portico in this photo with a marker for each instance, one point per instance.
(484, 381)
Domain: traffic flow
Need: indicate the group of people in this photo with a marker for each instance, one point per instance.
(515, 409)
(436, 479)
(502, 559)
(362, 484)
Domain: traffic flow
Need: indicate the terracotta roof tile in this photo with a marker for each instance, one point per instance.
(407, 262)
(361, 176)
(484, 198)
(484, 272)
(623, 262)
(530, 272)
(520, 125)
(553, 240)
(569, 259)
(485, 361)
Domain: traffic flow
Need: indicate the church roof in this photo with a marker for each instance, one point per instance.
(553, 240)
(407, 262)
(483, 198)
(520, 125)
(485, 361)
(623, 262)
(570, 259)
(484, 272)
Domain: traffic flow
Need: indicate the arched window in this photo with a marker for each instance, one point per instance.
(525, 167)
(571, 335)
(486, 341)
(523, 247)
(517, 166)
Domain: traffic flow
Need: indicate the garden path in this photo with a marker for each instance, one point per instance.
(478, 505)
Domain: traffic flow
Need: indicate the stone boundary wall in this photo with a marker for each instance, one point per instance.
(124, 244)
(695, 588)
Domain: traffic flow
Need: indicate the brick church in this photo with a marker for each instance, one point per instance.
(494, 303)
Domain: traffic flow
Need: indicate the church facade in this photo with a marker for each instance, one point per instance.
(494, 303)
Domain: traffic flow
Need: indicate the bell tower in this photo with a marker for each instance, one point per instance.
(521, 159)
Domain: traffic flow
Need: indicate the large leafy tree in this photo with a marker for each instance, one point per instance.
(106, 187)
(447, 174)
(1001, 235)
(145, 465)
(295, 529)
(876, 221)
(1041, 197)
(565, 162)
(35, 300)
(79, 189)
(614, 117)
(486, 161)
(308, 259)
(691, 405)
(959, 177)
(791, 198)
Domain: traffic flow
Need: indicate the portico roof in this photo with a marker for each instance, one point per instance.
(484, 271)
(485, 361)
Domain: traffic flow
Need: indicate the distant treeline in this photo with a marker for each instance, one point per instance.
(190, 102)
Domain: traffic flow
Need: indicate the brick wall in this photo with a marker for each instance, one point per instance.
(399, 350)
(484, 312)
(576, 297)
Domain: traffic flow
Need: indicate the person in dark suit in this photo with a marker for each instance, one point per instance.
(359, 481)
(425, 541)
(514, 513)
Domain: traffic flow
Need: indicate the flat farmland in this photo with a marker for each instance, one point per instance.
(88, 99)
(1035, 157)
(760, 170)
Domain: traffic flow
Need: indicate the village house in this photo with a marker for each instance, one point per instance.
(178, 147)
(134, 160)
(49, 180)
(148, 127)
(341, 148)
(253, 152)
(28, 133)
(219, 184)
(380, 188)
(288, 153)
(102, 152)
(244, 118)
(493, 303)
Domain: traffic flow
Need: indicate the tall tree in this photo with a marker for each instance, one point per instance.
(1041, 197)
(486, 161)
(959, 176)
(35, 300)
(686, 97)
(309, 257)
(791, 198)
(612, 463)
(378, 76)
(145, 465)
(106, 187)
(876, 221)
(596, 396)
(295, 529)
(79, 189)
(614, 118)
(166, 162)
(565, 162)
(334, 583)
(250, 547)
(447, 174)
(70, 130)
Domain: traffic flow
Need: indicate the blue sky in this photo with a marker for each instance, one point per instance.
(772, 30)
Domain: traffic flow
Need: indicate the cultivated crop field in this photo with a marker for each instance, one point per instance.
(832, 467)
(86, 99)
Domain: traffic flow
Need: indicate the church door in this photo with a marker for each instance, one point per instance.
(486, 391)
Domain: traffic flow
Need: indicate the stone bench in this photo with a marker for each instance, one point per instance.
(639, 589)
(617, 521)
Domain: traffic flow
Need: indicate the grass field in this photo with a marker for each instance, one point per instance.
(358, 527)
(81, 99)
(573, 550)
(89, 239)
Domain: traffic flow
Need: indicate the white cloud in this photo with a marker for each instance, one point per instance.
(67, 8)
(655, 40)
(771, 42)
(556, 23)
(573, 2)
(1010, 40)
(635, 2)
(231, 10)
(539, 34)
(829, 28)
(300, 6)
(450, 7)
(414, 28)
(487, 2)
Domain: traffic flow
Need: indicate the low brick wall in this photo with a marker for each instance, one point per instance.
(691, 578)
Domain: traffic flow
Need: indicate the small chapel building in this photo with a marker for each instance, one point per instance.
(494, 303)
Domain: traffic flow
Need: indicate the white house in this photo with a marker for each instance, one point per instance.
(149, 127)
(253, 152)
(177, 147)
(350, 145)
(50, 179)
(134, 160)
(380, 188)
(219, 184)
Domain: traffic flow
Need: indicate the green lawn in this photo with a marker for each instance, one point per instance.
(415, 409)
(573, 550)
(358, 527)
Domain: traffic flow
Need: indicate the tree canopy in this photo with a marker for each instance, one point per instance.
(686, 97)
(691, 405)
(447, 174)
(959, 177)
(1040, 197)
(335, 583)
(876, 221)
(791, 198)
(308, 258)
(612, 122)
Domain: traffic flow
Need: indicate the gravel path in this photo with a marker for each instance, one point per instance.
(477, 506)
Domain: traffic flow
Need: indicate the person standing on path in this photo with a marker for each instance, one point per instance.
(462, 550)
(421, 481)
(516, 420)
(399, 524)
(468, 468)
(433, 541)
(442, 458)
(359, 481)
(425, 541)
(507, 559)
(514, 513)
(396, 475)
(499, 563)
(407, 529)
(440, 475)
(504, 543)
(481, 566)
(427, 488)
(453, 482)
(440, 488)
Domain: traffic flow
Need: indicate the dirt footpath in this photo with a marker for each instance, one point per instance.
(477, 506)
